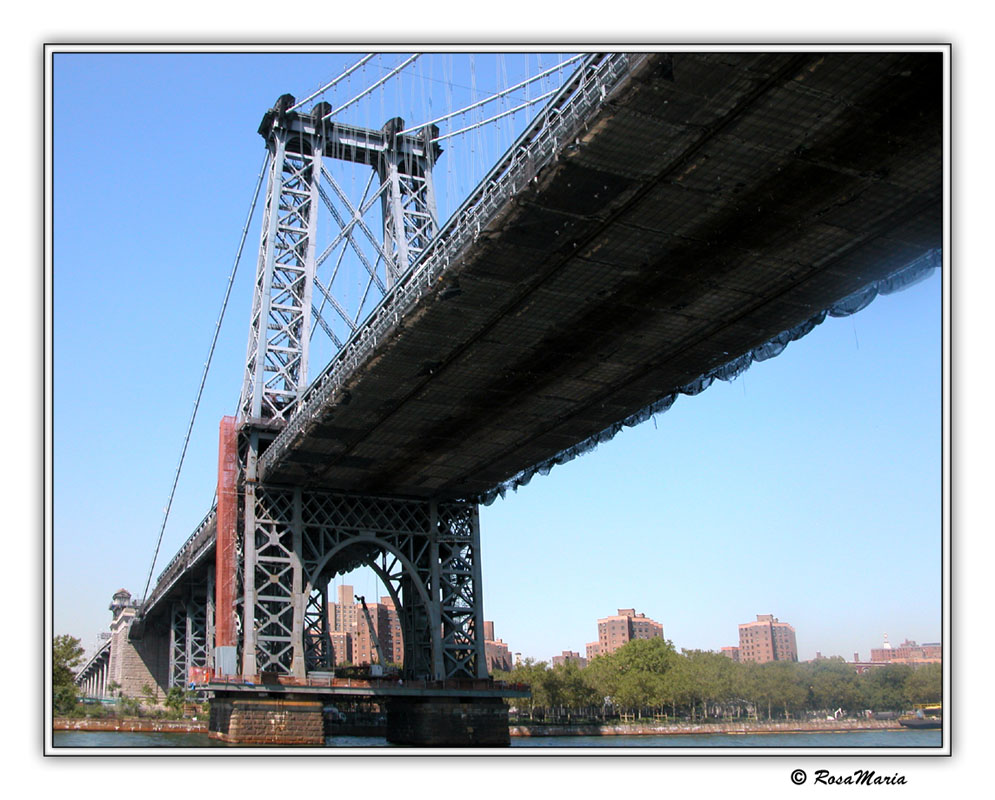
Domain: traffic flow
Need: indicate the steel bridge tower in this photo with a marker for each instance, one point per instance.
(279, 546)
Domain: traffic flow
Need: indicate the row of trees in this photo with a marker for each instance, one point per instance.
(648, 676)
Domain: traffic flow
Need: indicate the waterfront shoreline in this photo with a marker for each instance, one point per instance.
(140, 725)
(688, 728)
(129, 725)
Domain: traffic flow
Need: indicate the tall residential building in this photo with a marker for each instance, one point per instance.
(613, 632)
(570, 655)
(350, 633)
(767, 639)
(731, 652)
(496, 652)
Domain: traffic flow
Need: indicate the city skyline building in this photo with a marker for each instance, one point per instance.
(570, 655)
(352, 642)
(620, 629)
(731, 652)
(496, 652)
(766, 639)
(908, 652)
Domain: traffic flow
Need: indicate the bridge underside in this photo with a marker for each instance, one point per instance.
(714, 202)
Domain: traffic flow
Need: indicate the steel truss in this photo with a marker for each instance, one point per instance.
(290, 542)
(276, 360)
(290, 301)
(190, 632)
(426, 553)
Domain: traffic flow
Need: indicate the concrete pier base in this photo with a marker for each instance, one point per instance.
(448, 722)
(265, 721)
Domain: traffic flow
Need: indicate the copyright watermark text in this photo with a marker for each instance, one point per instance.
(860, 777)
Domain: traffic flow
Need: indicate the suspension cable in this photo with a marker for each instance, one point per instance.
(207, 365)
(493, 97)
(331, 83)
(504, 113)
(373, 86)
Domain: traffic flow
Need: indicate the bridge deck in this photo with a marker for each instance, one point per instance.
(715, 201)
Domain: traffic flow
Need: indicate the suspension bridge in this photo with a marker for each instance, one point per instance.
(662, 221)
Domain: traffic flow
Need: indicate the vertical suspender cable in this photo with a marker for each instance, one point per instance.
(207, 365)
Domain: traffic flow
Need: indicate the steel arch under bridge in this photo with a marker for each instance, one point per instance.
(425, 552)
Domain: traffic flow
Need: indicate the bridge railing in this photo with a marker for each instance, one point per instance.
(102, 652)
(537, 147)
(534, 149)
(174, 568)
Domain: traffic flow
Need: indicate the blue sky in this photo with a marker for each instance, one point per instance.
(809, 488)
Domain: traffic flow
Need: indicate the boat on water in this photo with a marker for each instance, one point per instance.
(926, 715)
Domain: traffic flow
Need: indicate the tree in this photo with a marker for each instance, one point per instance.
(884, 687)
(711, 677)
(150, 693)
(575, 693)
(634, 675)
(924, 684)
(176, 698)
(746, 686)
(602, 675)
(67, 655)
(786, 685)
(636, 690)
(534, 674)
(832, 684)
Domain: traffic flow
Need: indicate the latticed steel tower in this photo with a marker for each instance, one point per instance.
(277, 546)
(276, 364)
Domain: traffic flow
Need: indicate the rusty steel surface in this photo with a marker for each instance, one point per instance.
(226, 561)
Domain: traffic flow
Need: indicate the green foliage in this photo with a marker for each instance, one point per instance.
(129, 706)
(67, 655)
(884, 687)
(925, 685)
(832, 684)
(176, 699)
(65, 701)
(649, 675)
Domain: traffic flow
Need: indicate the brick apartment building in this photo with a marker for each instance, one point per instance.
(350, 633)
(613, 632)
(765, 640)
(731, 652)
(908, 652)
(496, 652)
(352, 643)
(569, 655)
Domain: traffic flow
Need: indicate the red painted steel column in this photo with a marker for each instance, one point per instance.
(224, 552)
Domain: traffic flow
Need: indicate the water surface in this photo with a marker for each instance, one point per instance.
(845, 739)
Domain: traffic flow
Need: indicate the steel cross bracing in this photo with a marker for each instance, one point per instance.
(580, 96)
(191, 635)
(290, 541)
(293, 539)
(288, 287)
(425, 553)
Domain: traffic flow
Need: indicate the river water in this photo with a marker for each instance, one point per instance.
(847, 739)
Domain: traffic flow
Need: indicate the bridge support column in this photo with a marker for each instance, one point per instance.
(188, 635)
(448, 722)
(267, 721)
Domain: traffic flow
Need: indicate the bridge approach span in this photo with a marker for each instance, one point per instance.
(705, 203)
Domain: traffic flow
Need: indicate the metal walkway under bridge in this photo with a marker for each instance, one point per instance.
(666, 220)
